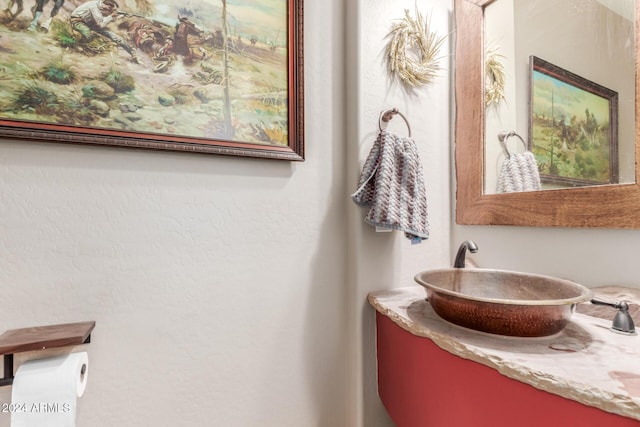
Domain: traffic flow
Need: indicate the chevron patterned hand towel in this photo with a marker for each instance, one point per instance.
(519, 173)
(392, 186)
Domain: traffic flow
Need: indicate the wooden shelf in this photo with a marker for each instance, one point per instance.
(40, 338)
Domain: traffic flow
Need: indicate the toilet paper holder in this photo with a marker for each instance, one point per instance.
(41, 338)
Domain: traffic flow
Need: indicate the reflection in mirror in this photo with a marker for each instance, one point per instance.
(601, 206)
(560, 77)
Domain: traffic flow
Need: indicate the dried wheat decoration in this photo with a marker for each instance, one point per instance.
(411, 52)
(495, 78)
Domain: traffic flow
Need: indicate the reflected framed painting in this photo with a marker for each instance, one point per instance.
(207, 76)
(573, 130)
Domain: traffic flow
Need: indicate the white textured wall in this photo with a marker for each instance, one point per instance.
(217, 283)
(388, 260)
(592, 257)
(230, 291)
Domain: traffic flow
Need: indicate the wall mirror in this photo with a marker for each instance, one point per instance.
(586, 157)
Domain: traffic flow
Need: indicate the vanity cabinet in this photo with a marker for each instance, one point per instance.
(426, 375)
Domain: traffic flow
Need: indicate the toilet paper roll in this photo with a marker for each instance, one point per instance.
(45, 391)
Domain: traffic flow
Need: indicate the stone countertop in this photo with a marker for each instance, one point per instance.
(586, 362)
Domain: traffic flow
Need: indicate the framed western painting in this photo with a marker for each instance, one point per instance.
(573, 130)
(209, 76)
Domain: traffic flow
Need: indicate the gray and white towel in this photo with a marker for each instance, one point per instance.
(392, 185)
(519, 173)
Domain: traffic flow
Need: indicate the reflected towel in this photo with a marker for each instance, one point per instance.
(391, 184)
(519, 173)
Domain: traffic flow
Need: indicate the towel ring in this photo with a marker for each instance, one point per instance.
(386, 116)
(503, 136)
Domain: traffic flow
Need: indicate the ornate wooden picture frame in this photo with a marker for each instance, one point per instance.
(223, 77)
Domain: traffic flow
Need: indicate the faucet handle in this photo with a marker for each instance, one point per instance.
(622, 322)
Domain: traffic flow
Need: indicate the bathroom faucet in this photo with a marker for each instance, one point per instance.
(462, 252)
(622, 322)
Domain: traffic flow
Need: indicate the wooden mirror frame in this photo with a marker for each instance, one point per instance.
(605, 206)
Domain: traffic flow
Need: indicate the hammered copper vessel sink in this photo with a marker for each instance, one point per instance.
(502, 302)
